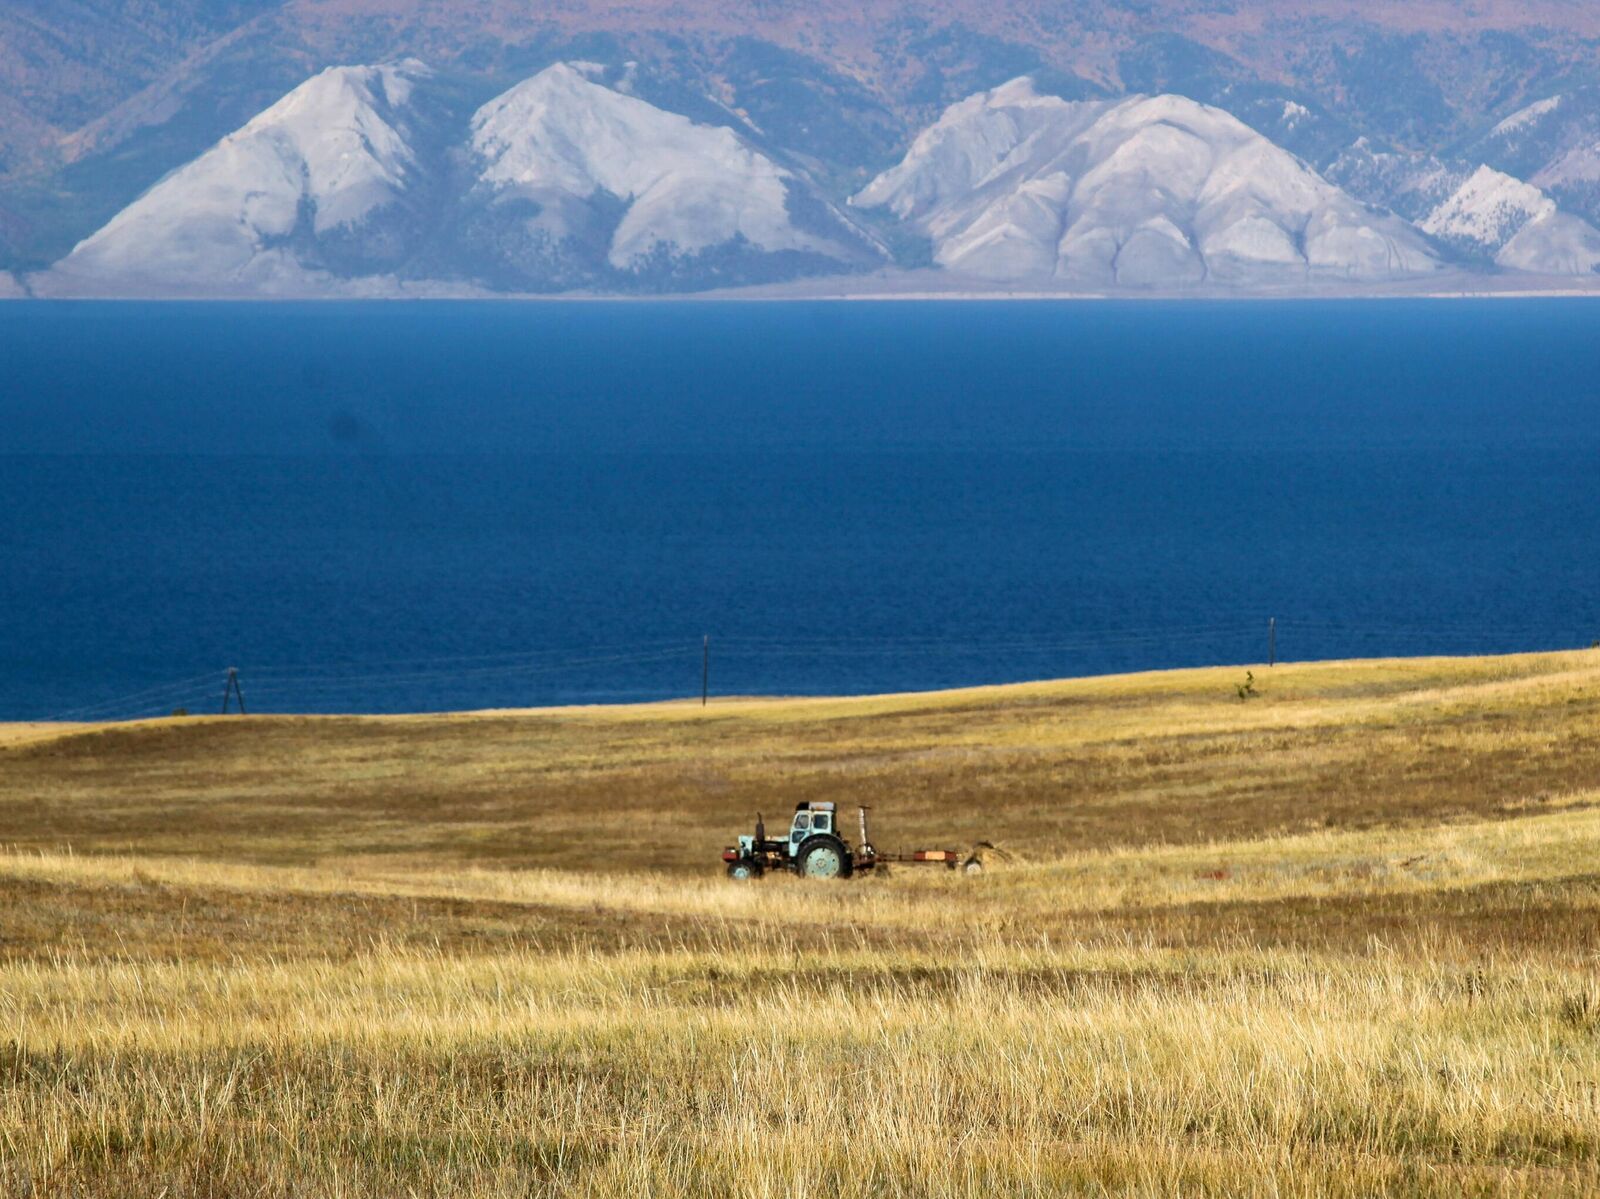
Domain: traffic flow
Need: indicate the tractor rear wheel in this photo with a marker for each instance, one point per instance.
(824, 857)
(743, 868)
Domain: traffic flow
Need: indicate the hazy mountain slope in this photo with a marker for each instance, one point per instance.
(1157, 191)
(1296, 122)
(1482, 214)
(1575, 175)
(1555, 243)
(1417, 74)
(304, 185)
(1411, 185)
(1537, 134)
(63, 63)
(1553, 143)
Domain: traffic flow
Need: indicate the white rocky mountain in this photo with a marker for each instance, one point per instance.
(1148, 191)
(1487, 210)
(561, 139)
(358, 181)
(384, 180)
(1554, 144)
(1517, 224)
(317, 166)
(1556, 243)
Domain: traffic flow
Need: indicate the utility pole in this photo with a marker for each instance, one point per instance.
(230, 689)
(1272, 641)
(705, 670)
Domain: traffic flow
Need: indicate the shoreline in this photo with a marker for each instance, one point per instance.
(20, 732)
(895, 287)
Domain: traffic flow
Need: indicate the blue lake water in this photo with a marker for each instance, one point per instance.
(371, 507)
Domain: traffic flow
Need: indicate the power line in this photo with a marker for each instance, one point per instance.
(973, 648)
(302, 670)
(1086, 635)
(324, 679)
(312, 683)
(186, 686)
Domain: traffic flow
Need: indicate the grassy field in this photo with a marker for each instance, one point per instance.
(1338, 938)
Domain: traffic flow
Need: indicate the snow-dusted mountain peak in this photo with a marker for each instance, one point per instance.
(356, 177)
(1487, 210)
(344, 125)
(1148, 191)
(563, 129)
(1293, 113)
(561, 137)
(1517, 225)
(1529, 115)
(384, 180)
(318, 163)
(964, 148)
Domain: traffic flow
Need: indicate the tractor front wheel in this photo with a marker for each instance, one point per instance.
(824, 857)
(743, 868)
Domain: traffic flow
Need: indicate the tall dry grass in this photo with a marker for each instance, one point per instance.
(762, 1070)
(327, 967)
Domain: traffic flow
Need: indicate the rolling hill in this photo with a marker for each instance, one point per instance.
(1337, 939)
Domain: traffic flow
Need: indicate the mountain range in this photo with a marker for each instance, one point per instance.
(1149, 191)
(223, 147)
(358, 183)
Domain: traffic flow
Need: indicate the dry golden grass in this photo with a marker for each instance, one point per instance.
(1046, 768)
(1341, 939)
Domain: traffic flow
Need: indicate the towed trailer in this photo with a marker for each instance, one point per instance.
(816, 847)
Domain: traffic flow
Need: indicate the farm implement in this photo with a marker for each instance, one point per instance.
(816, 847)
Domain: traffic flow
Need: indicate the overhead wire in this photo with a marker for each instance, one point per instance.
(509, 657)
(367, 679)
(150, 695)
(283, 682)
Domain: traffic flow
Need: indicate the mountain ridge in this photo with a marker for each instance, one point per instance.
(99, 100)
(559, 183)
(312, 167)
(589, 177)
(1155, 190)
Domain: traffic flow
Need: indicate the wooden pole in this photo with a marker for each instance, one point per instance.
(1272, 641)
(705, 671)
(230, 689)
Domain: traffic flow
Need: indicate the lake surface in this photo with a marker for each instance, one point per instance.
(371, 507)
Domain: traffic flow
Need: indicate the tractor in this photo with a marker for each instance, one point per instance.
(815, 847)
